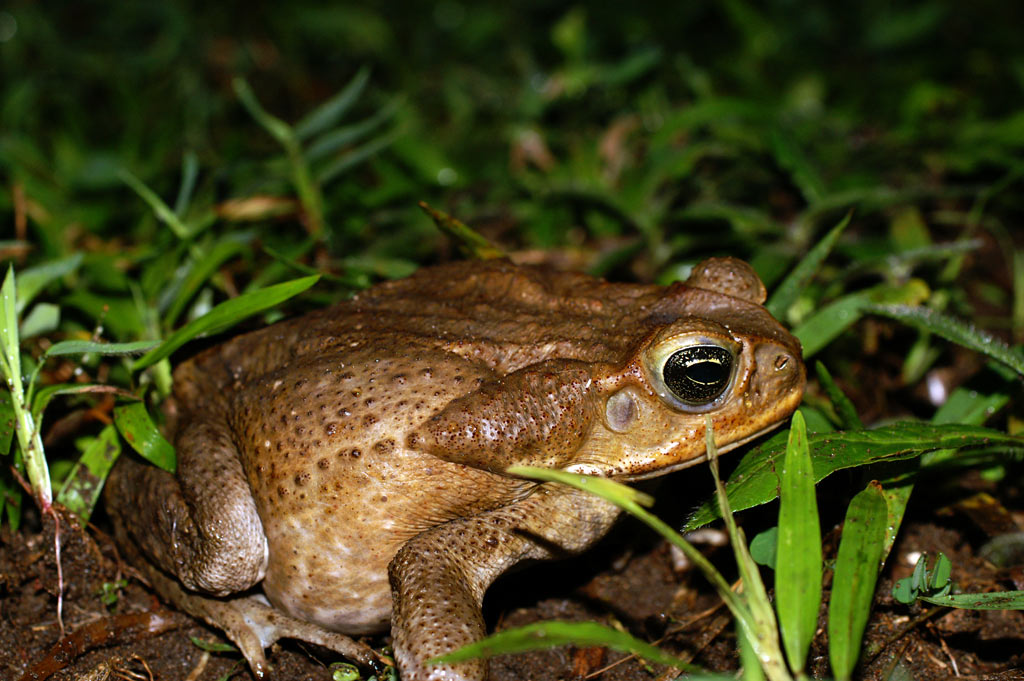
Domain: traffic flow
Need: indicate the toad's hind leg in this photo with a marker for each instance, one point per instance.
(200, 526)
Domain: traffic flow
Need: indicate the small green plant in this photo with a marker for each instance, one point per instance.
(110, 592)
(27, 400)
(934, 586)
(324, 137)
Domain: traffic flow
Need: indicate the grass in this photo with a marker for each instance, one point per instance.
(171, 171)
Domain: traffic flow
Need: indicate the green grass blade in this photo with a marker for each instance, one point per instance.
(750, 664)
(200, 272)
(792, 159)
(954, 330)
(137, 428)
(32, 280)
(42, 318)
(81, 347)
(10, 502)
(755, 480)
(189, 174)
(631, 501)
(277, 128)
(848, 417)
(6, 422)
(354, 157)
(9, 345)
(225, 315)
(25, 426)
(331, 141)
(81, 490)
(555, 633)
(162, 211)
(331, 111)
(968, 406)
(758, 622)
(856, 573)
(307, 189)
(826, 324)
(798, 554)
(42, 396)
(788, 291)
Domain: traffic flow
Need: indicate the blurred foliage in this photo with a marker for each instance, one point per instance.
(157, 158)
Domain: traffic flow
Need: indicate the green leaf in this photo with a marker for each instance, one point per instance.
(200, 271)
(904, 591)
(81, 347)
(798, 563)
(755, 480)
(42, 396)
(331, 111)
(225, 315)
(136, 426)
(632, 501)
(29, 440)
(791, 158)
(823, 326)
(996, 600)
(189, 173)
(119, 316)
(967, 406)
(954, 330)
(845, 410)
(554, 633)
(81, 490)
(940, 575)
(42, 318)
(10, 501)
(34, 279)
(751, 665)
(354, 157)
(857, 566)
(277, 128)
(330, 142)
(162, 211)
(757, 617)
(789, 290)
(764, 547)
(6, 423)
(623, 496)
(10, 352)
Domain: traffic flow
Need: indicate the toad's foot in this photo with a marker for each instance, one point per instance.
(253, 625)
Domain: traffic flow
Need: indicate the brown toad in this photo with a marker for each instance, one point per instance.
(350, 464)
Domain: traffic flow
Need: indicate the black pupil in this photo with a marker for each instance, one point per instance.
(698, 374)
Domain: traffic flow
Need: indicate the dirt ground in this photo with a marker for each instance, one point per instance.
(631, 580)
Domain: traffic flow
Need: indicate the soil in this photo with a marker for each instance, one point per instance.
(631, 581)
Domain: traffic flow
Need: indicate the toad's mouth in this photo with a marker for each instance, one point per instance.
(628, 476)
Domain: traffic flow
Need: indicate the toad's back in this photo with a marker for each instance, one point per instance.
(504, 315)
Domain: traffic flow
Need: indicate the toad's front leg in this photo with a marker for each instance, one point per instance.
(439, 577)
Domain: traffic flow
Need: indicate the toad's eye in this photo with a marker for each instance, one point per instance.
(697, 375)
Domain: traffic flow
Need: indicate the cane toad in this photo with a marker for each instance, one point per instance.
(345, 472)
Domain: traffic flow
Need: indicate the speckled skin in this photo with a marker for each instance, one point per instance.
(352, 462)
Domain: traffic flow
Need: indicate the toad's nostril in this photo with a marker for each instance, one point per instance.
(781, 362)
